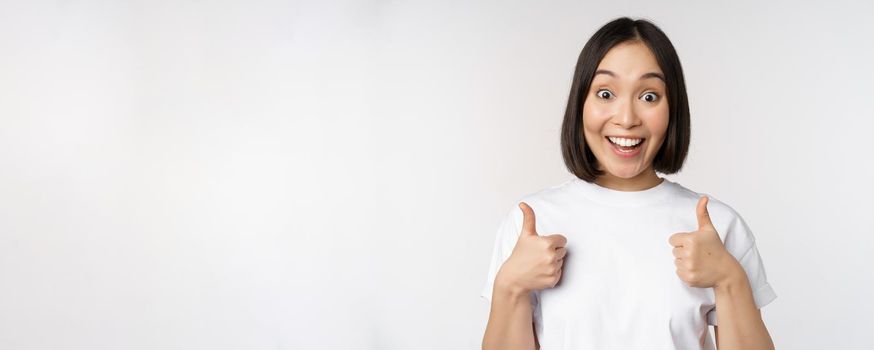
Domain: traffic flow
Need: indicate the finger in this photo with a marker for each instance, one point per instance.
(682, 276)
(557, 240)
(677, 239)
(678, 262)
(703, 214)
(528, 224)
(560, 253)
(678, 252)
(557, 279)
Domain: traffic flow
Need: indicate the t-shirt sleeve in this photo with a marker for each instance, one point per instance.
(505, 241)
(738, 235)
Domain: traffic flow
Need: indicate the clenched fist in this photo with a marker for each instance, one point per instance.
(700, 256)
(536, 261)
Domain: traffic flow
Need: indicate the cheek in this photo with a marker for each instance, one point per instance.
(657, 122)
(594, 119)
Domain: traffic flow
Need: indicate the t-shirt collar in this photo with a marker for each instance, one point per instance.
(618, 198)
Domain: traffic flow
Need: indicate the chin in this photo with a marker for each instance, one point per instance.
(624, 173)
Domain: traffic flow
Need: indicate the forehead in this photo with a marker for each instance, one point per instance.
(629, 60)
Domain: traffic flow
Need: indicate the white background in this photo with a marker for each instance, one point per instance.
(331, 175)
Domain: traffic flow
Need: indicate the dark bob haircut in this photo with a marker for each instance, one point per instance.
(578, 158)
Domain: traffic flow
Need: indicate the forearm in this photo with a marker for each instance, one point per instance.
(739, 320)
(509, 325)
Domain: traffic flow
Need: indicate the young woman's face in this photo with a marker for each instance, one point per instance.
(627, 99)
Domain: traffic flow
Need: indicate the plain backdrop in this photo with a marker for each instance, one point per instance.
(331, 175)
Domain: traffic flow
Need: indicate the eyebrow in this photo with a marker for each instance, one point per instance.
(644, 76)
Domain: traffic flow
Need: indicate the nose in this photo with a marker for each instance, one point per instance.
(626, 116)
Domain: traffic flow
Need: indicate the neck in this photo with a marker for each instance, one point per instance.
(645, 180)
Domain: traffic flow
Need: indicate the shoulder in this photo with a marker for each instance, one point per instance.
(718, 209)
(551, 194)
(545, 202)
(734, 231)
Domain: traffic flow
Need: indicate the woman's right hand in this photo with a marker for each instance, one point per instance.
(536, 261)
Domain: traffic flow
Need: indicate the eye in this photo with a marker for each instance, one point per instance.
(653, 97)
(604, 94)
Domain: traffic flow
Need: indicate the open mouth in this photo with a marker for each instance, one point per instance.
(625, 145)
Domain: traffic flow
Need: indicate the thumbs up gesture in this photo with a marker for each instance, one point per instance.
(700, 256)
(536, 260)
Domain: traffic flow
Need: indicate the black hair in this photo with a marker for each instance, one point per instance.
(578, 158)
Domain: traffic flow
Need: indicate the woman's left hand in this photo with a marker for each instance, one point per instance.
(700, 256)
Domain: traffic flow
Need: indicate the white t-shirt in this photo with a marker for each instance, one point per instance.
(619, 288)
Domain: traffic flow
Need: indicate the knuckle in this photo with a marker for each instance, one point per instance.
(556, 240)
(692, 277)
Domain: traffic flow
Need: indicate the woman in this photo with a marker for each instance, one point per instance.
(619, 258)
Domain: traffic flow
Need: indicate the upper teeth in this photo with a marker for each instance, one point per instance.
(624, 142)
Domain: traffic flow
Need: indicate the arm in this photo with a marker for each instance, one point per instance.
(509, 325)
(702, 261)
(534, 264)
(737, 316)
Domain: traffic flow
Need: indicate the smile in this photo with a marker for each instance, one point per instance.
(625, 147)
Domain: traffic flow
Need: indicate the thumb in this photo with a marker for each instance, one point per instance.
(527, 219)
(703, 214)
